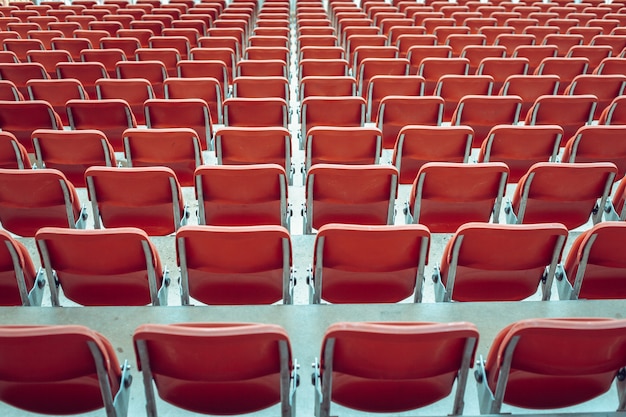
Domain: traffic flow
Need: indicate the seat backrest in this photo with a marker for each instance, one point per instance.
(264, 374)
(249, 265)
(149, 198)
(537, 200)
(583, 359)
(548, 110)
(381, 86)
(478, 264)
(255, 112)
(331, 111)
(72, 151)
(529, 88)
(176, 148)
(13, 155)
(205, 88)
(615, 113)
(369, 264)
(135, 91)
(418, 144)
(352, 194)
(452, 88)
(242, 195)
(519, 147)
(604, 87)
(31, 199)
(20, 283)
(115, 267)
(370, 357)
(396, 112)
(57, 92)
(75, 359)
(594, 265)
(446, 195)
(598, 143)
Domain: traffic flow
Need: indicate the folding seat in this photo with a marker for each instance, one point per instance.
(540, 33)
(193, 113)
(22, 28)
(123, 19)
(392, 354)
(565, 68)
(502, 68)
(128, 270)
(482, 113)
(49, 59)
(207, 89)
(563, 42)
(255, 112)
(7, 57)
(22, 284)
(85, 72)
(67, 28)
(363, 52)
(396, 112)
(72, 45)
(432, 69)
(92, 35)
(405, 42)
(529, 88)
(242, 195)
(535, 54)
(261, 67)
(614, 40)
(32, 199)
(420, 16)
(254, 145)
(512, 41)
(447, 195)
(216, 347)
(519, 147)
(598, 143)
(368, 264)
(477, 265)
(13, 155)
(110, 27)
(443, 32)
(595, 54)
(417, 54)
(611, 66)
(148, 198)
(331, 111)
(21, 118)
(153, 25)
(127, 44)
(168, 56)
(74, 359)
(475, 54)
(594, 265)
(152, 71)
(502, 17)
(327, 86)
(460, 42)
(21, 73)
(585, 355)
(229, 42)
(417, 145)
(588, 33)
(381, 86)
(604, 87)
(352, 194)
(492, 32)
(354, 41)
(452, 88)
(371, 67)
(460, 16)
(57, 93)
(108, 57)
(142, 35)
(45, 36)
(135, 91)
(615, 113)
(537, 200)
(519, 24)
(323, 67)
(9, 92)
(549, 110)
(226, 31)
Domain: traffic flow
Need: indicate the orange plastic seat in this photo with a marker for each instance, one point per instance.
(331, 111)
(205, 88)
(261, 67)
(202, 377)
(416, 54)
(598, 143)
(107, 57)
(368, 264)
(20, 47)
(21, 118)
(85, 72)
(341, 145)
(32, 199)
(615, 113)
(475, 54)
(9, 92)
(226, 55)
(135, 91)
(21, 283)
(127, 44)
(452, 88)
(594, 53)
(323, 67)
(255, 112)
(149, 198)
(261, 87)
(242, 195)
(21, 73)
(13, 155)
(446, 195)
(252, 264)
(352, 194)
(580, 185)
(127, 270)
(57, 93)
(396, 112)
(191, 113)
(79, 371)
(519, 147)
(111, 116)
(594, 265)
(254, 145)
(176, 148)
(418, 144)
(49, 59)
(153, 71)
(482, 113)
(327, 86)
(375, 367)
(565, 68)
(477, 265)
(529, 88)
(501, 69)
(381, 86)
(584, 357)
(168, 56)
(72, 152)
(604, 87)
(535, 54)
(548, 110)
(611, 65)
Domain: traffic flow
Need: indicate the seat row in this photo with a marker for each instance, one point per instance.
(364, 366)
(248, 265)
